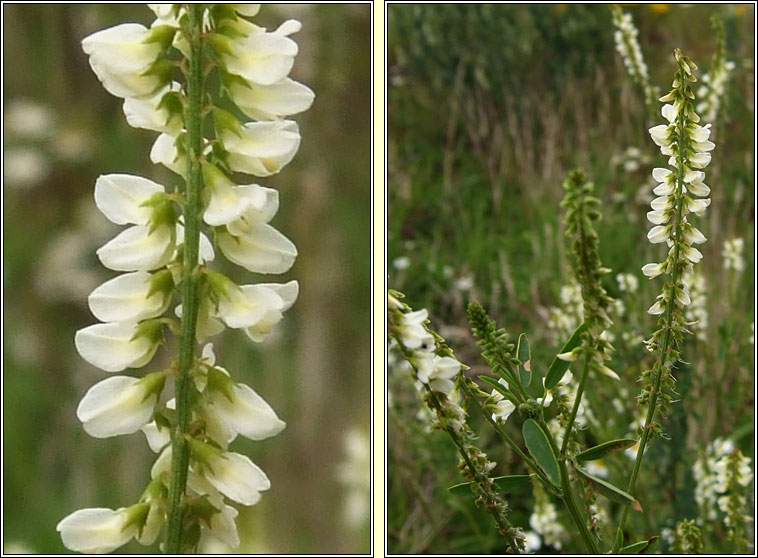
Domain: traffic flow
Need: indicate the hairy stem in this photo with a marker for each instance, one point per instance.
(189, 285)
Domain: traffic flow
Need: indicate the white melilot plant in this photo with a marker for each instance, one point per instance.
(164, 252)
(629, 49)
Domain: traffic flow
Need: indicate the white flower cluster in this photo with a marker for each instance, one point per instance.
(712, 90)
(713, 477)
(628, 47)
(681, 191)
(431, 369)
(628, 283)
(732, 254)
(564, 320)
(252, 63)
(544, 521)
(697, 312)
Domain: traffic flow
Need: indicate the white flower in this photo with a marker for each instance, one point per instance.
(401, 263)
(246, 413)
(164, 153)
(262, 58)
(437, 372)
(413, 333)
(287, 293)
(137, 249)
(125, 299)
(732, 254)
(223, 526)
(504, 406)
(122, 59)
(262, 249)
(96, 530)
(661, 135)
(658, 308)
(148, 113)
(227, 201)
(120, 197)
(658, 234)
(627, 282)
(236, 477)
(271, 102)
(119, 405)
(113, 346)
(261, 148)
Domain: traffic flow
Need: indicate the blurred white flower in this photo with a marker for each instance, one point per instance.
(401, 263)
(29, 119)
(354, 473)
(732, 254)
(24, 167)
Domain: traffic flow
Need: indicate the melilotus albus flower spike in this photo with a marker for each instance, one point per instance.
(685, 141)
(166, 251)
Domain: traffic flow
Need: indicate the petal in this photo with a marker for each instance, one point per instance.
(157, 438)
(652, 269)
(247, 413)
(224, 527)
(238, 478)
(269, 102)
(117, 405)
(657, 217)
(246, 306)
(144, 113)
(110, 348)
(119, 197)
(164, 153)
(137, 250)
(263, 205)
(262, 250)
(661, 175)
(262, 58)
(658, 234)
(122, 48)
(95, 530)
(124, 299)
(226, 205)
(263, 148)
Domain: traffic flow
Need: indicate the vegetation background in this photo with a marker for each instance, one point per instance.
(489, 106)
(61, 131)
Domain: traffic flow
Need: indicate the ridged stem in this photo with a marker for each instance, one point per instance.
(189, 285)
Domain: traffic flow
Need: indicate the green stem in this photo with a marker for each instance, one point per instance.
(660, 366)
(575, 408)
(568, 498)
(189, 291)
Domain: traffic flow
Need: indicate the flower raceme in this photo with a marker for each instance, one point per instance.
(681, 190)
(165, 250)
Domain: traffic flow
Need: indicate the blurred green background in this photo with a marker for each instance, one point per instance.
(62, 130)
(489, 106)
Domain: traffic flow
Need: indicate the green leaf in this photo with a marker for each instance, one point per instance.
(525, 356)
(539, 446)
(642, 547)
(558, 367)
(507, 484)
(609, 491)
(601, 450)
